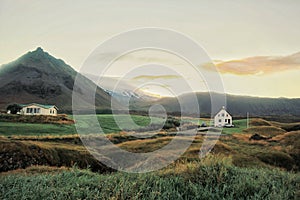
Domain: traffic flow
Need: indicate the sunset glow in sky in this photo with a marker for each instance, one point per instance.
(254, 44)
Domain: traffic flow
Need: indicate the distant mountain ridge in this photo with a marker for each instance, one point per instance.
(121, 90)
(238, 105)
(39, 77)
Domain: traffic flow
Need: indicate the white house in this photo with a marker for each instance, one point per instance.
(222, 118)
(38, 109)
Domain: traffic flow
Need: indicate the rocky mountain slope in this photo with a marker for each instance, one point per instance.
(39, 77)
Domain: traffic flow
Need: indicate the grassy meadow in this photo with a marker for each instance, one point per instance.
(35, 129)
(48, 161)
(107, 123)
(239, 126)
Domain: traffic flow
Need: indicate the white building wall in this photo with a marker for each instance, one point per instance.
(222, 118)
(42, 111)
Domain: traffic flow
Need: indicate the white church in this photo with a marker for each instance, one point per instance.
(223, 118)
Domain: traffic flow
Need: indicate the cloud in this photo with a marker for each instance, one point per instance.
(260, 65)
(153, 77)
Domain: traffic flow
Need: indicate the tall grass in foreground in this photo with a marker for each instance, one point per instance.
(208, 179)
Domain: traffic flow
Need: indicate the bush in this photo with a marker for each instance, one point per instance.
(14, 108)
(171, 122)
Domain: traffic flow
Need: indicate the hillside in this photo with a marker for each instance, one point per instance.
(39, 77)
(238, 106)
(121, 90)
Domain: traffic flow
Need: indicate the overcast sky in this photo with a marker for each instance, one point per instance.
(227, 30)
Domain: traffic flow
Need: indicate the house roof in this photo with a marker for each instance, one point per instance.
(223, 108)
(39, 105)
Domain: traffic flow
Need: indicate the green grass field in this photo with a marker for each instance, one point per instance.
(239, 126)
(33, 129)
(107, 123)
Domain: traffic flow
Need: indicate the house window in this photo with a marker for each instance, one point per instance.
(226, 115)
(222, 114)
(220, 120)
(27, 110)
(38, 110)
(225, 120)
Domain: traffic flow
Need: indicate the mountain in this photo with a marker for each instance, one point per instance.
(121, 90)
(238, 106)
(39, 77)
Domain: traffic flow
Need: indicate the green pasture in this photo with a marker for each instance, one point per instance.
(109, 124)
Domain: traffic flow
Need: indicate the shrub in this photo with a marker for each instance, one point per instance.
(14, 108)
(171, 122)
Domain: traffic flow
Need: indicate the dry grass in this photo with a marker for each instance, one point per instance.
(288, 137)
(22, 154)
(287, 126)
(268, 131)
(145, 145)
(222, 148)
(68, 150)
(259, 122)
(184, 166)
(290, 143)
(36, 169)
(245, 138)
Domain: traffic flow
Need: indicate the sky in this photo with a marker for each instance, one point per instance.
(254, 44)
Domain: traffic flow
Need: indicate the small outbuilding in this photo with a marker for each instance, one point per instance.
(223, 118)
(38, 109)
